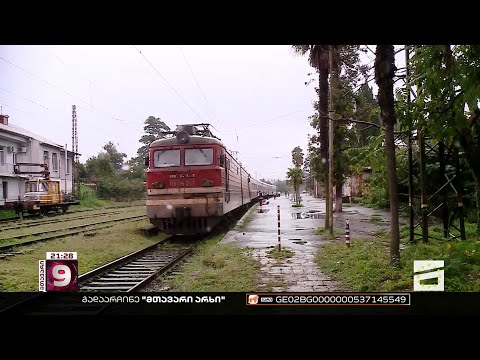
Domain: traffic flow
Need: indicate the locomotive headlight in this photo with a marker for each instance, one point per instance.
(206, 182)
(157, 185)
(182, 137)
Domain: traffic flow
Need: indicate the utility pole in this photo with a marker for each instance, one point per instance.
(76, 158)
(411, 196)
(331, 114)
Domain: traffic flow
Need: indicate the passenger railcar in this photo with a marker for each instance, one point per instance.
(193, 181)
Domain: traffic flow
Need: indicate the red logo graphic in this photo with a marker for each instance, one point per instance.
(253, 299)
(62, 275)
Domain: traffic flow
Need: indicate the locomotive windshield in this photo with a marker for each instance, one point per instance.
(199, 156)
(166, 158)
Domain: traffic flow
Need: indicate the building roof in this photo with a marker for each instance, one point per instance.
(25, 133)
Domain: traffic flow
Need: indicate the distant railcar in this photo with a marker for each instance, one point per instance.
(193, 181)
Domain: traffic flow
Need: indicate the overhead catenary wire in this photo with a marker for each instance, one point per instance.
(20, 110)
(198, 85)
(265, 121)
(83, 79)
(166, 81)
(64, 91)
(24, 98)
(42, 80)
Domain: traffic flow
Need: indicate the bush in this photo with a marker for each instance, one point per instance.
(131, 189)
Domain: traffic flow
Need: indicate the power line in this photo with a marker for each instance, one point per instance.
(24, 98)
(191, 71)
(98, 87)
(158, 72)
(20, 110)
(42, 80)
(85, 78)
(275, 118)
(198, 84)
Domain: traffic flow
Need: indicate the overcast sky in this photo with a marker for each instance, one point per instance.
(255, 96)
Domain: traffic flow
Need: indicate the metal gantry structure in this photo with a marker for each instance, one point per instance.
(438, 197)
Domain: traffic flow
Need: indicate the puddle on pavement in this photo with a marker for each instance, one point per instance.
(260, 210)
(307, 215)
(300, 242)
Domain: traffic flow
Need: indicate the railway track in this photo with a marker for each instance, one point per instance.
(133, 271)
(14, 219)
(5, 250)
(55, 221)
(126, 274)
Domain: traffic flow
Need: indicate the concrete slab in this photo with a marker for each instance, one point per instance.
(299, 272)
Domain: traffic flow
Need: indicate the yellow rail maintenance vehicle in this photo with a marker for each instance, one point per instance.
(42, 193)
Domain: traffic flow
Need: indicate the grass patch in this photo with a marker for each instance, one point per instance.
(217, 267)
(365, 265)
(20, 272)
(284, 253)
(7, 214)
(275, 282)
(246, 219)
(326, 234)
(66, 225)
(375, 218)
(88, 199)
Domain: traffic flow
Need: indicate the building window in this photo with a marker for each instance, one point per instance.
(2, 156)
(54, 162)
(5, 189)
(68, 167)
(14, 158)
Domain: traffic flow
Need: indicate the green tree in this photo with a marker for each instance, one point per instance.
(116, 157)
(366, 110)
(154, 128)
(281, 186)
(82, 173)
(318, 59)
(297, 156)
(384, 73)
(99, 167)
(347, 72)
(295, 177)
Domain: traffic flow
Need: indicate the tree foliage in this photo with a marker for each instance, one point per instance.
(295, 178)
(153, 128)
(112, 178)
(115, 157)
(297, 156)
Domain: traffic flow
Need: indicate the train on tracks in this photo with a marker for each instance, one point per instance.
(194, 182)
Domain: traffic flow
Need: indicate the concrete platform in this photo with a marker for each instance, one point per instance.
(297, 233)
(297, 225)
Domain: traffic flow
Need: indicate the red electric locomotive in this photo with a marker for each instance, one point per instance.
(193, 181)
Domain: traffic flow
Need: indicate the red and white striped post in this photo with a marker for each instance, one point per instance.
(347, 233)
(278, 216)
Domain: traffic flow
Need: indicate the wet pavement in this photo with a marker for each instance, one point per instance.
(297, 234)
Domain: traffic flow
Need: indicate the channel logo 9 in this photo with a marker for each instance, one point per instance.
(59, 273)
